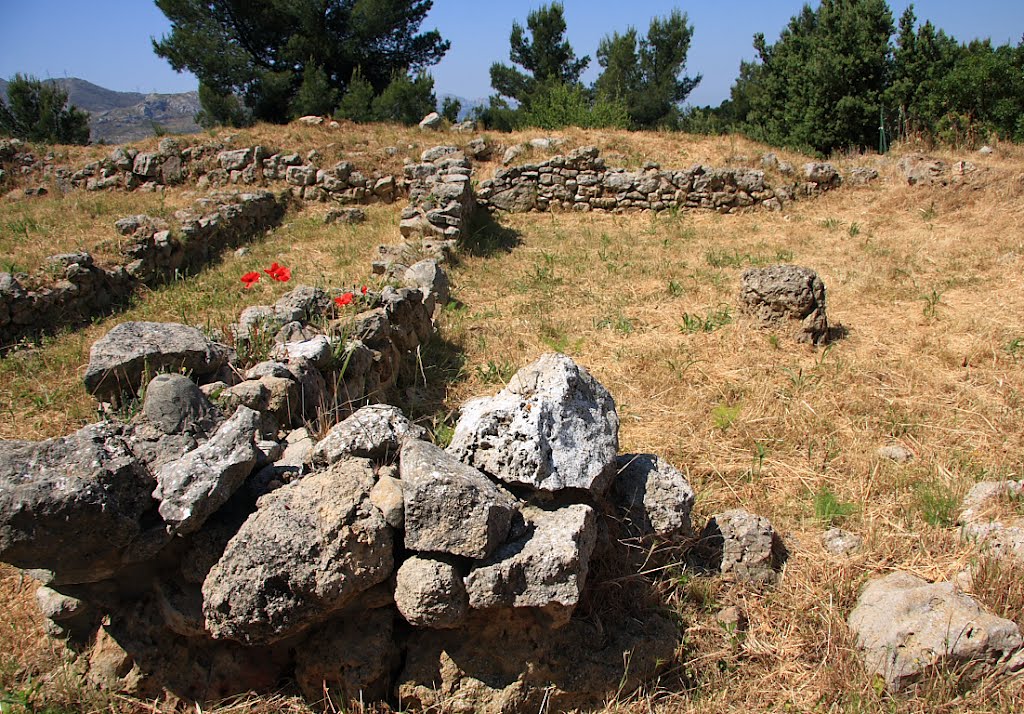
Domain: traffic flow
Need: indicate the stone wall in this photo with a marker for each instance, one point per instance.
(581, 181)
(154, 253)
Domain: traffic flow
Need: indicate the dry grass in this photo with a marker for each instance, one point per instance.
(926, 283)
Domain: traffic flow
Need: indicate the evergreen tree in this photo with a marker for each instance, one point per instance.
(316, 96)
(357, 104)
(648, 79)
(820, 86)
(450, 109)
(406, 100)
(220, 109)
(39, 111)
(260, 49)
(547, 57)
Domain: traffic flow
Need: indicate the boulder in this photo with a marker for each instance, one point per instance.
(373, 432)
(653, 496)
(450, 507)
(429, 593)
(787, 293)
(553, 427)
(906, 625)
(896, 452)
(841, 542)
(520, 198)
(174, 404)
(743, 546)
(431, 121)
(546, 568)
(991, 516)
(310, 549)
(192, 488)
(74, 509)
(428, 276)
(120, 360)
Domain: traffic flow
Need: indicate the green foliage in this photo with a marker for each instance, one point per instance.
(450, 109)
(221, 109)
(406, 100)
(711, 321)
(547, 57)
(820, 86)
(38, 111)
(357, 104)
(265, 52)
(938, 503)
(648, 77)
(316, 96)
(829, 510)
(724, 415)
(559, 105)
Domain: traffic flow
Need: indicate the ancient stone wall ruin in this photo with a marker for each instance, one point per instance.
(581, 181)
(152, 254)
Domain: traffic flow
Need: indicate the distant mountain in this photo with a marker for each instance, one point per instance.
(468, 105)
(121, 117)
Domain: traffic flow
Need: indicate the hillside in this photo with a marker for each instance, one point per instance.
(119, 117)
(915, 398)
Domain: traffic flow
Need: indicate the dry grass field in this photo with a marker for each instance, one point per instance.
(925, 284)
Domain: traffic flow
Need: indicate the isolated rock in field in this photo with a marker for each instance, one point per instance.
(553, 427)
(743, 546)
(510, 663)
(175, 404)
(75, 506)
(861, 175)
(310, 548)
(906, 625)
(896, 452)
(450, 507)
(840, 542)
(654, 496)
(120, 359)
(431, 121)
(924, 171)
(373, 432)
(546, 568)
(992, 516)
(192, 488)
(346, 216)
(429, 593)
(783, 293)
(428, 276)
(349, 659)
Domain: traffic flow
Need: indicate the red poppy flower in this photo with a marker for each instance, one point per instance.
(363, 290)
(279, 272)
(250, 279)
(344, 300)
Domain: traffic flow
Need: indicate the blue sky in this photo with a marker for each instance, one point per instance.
(107, 42)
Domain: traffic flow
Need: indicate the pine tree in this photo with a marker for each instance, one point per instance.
(39, 111)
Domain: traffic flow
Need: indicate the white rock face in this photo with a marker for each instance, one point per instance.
(553, 427)
(905, 625)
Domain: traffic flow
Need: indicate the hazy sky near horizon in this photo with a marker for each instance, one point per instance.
(108, 42)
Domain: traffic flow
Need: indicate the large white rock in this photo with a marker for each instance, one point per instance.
(553, 427)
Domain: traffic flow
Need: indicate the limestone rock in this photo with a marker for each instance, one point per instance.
(553, 427)
(990, 516)
(119, 360)
(348, 660)
(310, 548)
(906, 625)
(840, 542)
(76, 506)
(546, 568)
(896, 452)
(192, 488)
(450, 507)
(431, 122)
(744, 546)
(387, 496)
(781, 293)
(430, 593)
(174, 404)
(372, 432)
(428, 276)
(654, 496)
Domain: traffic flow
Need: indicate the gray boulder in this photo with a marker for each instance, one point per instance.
(906, 625)
(174, 404)
(372, 432)
(787, 293)
(991, 518)
(450, 507)
(430, 593)
(429, 277)
(431, 121)
(655, 498)
(896, 452)
(120, 359)
(72, 509)
(553, 427)
(546, 568)
(744, 546)
(841, 542)
(309, 550)
(192, 488)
